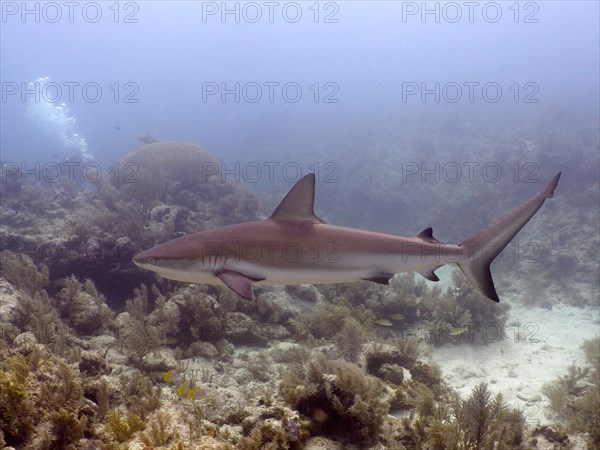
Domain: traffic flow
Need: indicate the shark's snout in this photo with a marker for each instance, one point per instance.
(141, 259)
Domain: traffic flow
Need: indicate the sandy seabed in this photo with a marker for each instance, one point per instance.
(540, 345)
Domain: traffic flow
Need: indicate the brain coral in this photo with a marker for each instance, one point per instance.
(180, 161)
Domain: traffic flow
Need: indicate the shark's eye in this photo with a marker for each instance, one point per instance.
(152, 261)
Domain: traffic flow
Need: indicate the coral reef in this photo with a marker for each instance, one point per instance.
(463, 315)
(83, 307)
(575, 397)
(340, 397)
(454, 423)
(20, 270)
(16, 408)
(454, 316)
(350, 381)
(42, 400)
(95, 354)
(350, 340)
(158, 192)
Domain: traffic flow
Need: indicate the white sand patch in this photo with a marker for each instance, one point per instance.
(540, 344)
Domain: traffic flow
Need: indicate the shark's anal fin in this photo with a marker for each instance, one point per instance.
(380, 278)
(430, 275)
(238, 282)
(427, 236)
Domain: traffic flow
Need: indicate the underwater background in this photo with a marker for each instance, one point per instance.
(126, 124)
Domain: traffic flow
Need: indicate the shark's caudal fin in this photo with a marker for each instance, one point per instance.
(480, 249)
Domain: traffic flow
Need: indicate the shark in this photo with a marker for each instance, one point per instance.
(294, 246)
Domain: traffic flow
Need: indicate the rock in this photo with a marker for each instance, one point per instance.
(221, 405)
(320, 443)
(392, 373)
(102, 344)
(9, 299)
(466, 372)
(551, 435)
(92, 364)
(85, 313)
(201, 349)
(293, 427)
(122, 320)
(377, 355)
(124, 250)
(26, 339)
(93, 249)
(530, 398)
(158, 361)
(241, 329)
(169, 318)
(82, 306)
(306, 292)
(276, 332)
(288, 352)
(290, 301)
(551, 348)
(546, 304)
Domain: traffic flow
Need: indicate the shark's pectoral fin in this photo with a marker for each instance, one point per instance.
(430, 275)
(380, 278)
(238, 282)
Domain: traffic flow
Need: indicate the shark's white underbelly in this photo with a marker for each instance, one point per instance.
(353, 268)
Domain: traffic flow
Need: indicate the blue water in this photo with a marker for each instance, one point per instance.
(291, 81)
(411, 115)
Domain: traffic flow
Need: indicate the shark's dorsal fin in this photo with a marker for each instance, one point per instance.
(427, 235)
(299, 202)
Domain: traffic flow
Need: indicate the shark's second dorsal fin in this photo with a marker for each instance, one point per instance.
(427, 236)
(299, 202)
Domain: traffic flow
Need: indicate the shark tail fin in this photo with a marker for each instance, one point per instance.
(480, 249)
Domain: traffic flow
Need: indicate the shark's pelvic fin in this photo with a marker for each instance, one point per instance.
(480, 249)
(298, 204)
(380, 278)
(238, 282)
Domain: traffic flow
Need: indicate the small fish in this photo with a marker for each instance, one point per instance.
(397, 317)
(459, 331)
(192, 392)
(60, 282)
(167, 376)
(171, 340)
(384, 322)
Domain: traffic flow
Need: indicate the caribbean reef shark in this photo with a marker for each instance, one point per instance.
(294, 246)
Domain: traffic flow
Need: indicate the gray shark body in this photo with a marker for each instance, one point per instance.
(294, 246)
